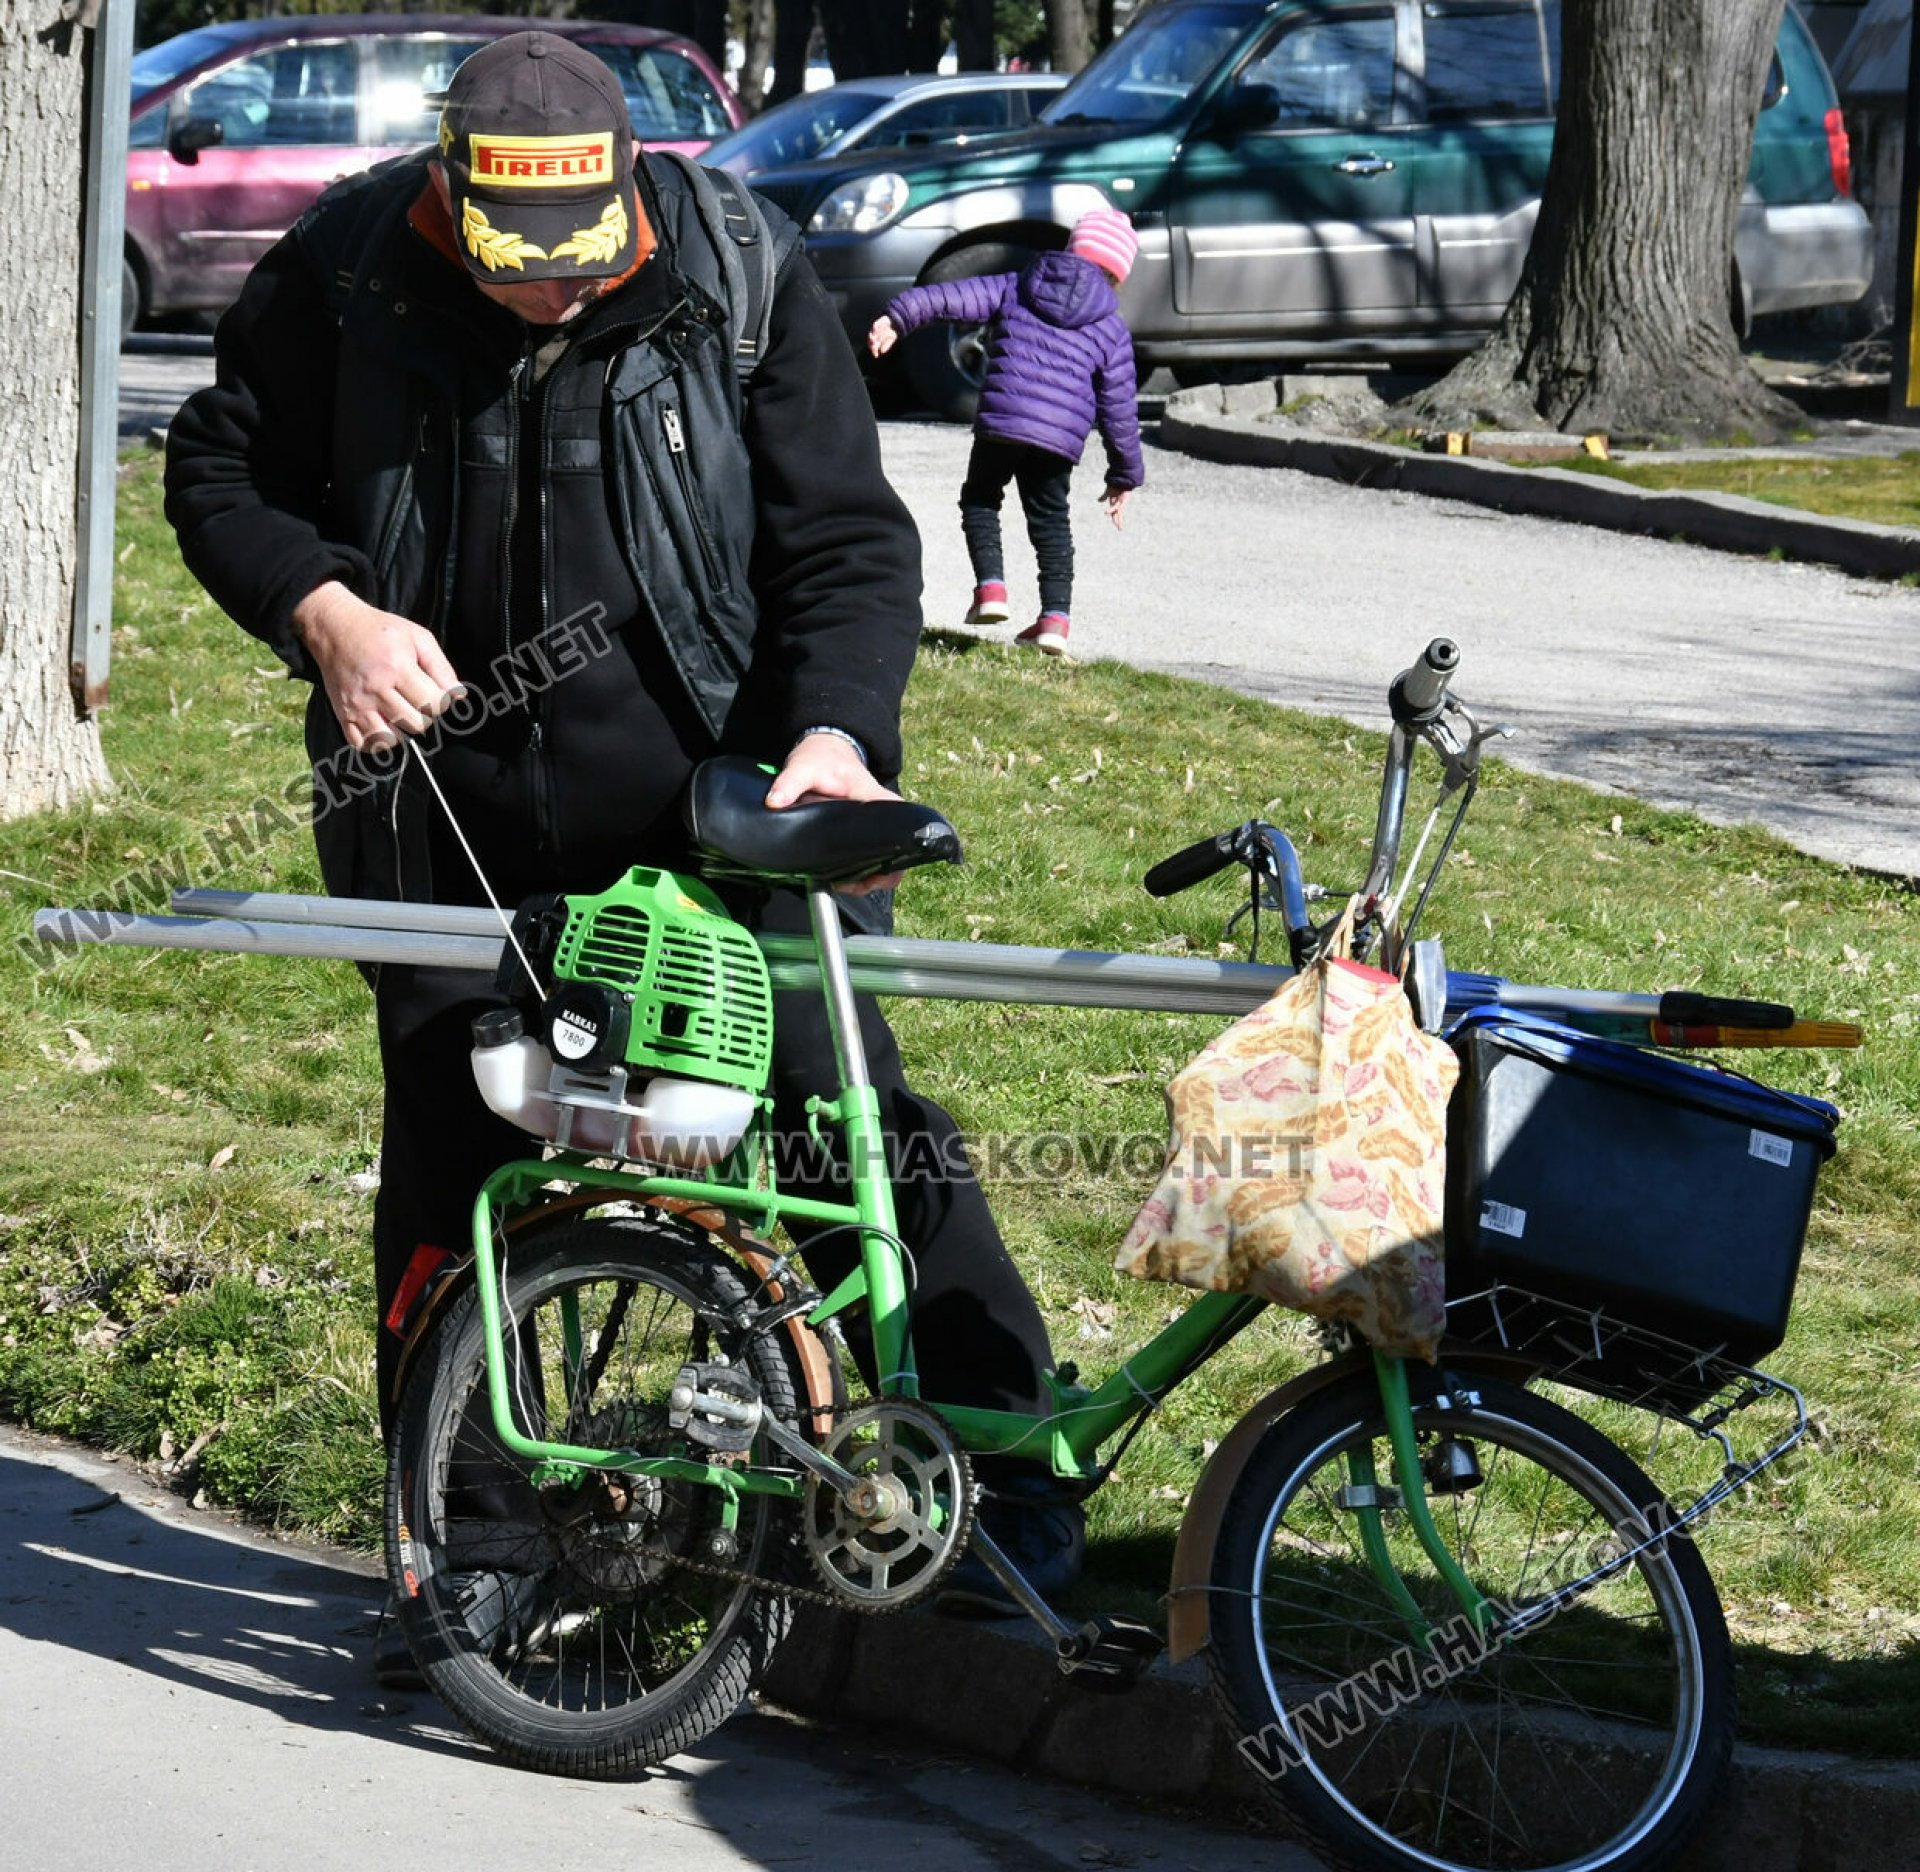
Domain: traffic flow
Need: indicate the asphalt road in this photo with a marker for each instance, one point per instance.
(177, 1692)
(1738, 688)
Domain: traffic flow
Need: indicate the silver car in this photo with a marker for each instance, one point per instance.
(904, 110)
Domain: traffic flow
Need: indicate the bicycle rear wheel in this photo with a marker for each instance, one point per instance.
(1394, 1734)
(582, 1627)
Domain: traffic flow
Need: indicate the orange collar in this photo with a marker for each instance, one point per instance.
(428, 217)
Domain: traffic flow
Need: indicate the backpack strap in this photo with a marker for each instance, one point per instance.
(748, 248)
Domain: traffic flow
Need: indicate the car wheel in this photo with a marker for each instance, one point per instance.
(947, 362)
(129, 295)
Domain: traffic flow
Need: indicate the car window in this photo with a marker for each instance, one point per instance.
(1152, 68)
(410, 77)
(149, 129)
(945, 116)
(1485, 61)
(798, 129)
(1329, 73)
(299, 94)
(669, 98)
(1029, 100)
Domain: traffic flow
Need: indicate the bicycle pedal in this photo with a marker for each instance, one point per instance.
(1109, 1653)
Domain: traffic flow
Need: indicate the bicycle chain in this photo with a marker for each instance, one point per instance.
(713, 1569)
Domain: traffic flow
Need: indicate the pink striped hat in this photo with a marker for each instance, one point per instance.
(1106, 237)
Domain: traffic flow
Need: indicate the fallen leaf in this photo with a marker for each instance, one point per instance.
(222, 1157)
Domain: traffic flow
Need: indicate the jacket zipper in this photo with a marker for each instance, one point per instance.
(676, 438)
(397, 514)
(512, 514)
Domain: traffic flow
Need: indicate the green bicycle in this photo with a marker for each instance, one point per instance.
(1452, 1624)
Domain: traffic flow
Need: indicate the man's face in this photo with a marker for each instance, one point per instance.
(536, 302)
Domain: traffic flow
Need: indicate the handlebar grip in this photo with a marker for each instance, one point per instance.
(1418, 693)
(1682, 1008)
(1193, 863)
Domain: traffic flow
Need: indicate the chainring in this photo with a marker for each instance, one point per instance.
(892, 1544)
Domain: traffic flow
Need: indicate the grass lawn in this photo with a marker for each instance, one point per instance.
(188, 1143)
(1882, 488)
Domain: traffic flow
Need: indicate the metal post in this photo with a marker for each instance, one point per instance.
(109, 96)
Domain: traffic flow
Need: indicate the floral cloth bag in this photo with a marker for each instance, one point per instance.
(1308, 1161)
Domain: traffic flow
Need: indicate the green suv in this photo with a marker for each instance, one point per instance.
(1310, 179)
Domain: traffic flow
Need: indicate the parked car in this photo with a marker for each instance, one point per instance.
(913, 109)
(237, 127)
(1310, 178)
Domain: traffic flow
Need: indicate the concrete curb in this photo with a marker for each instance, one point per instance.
(1223, 424)
(994, 1690)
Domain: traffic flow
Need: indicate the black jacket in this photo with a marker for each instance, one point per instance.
(375, 420)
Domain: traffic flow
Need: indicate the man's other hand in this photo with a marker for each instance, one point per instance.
(882, 336)
(384, 675)
(823, 766)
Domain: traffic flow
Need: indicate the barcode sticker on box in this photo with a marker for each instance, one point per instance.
(1768, 1148)
(1503, 1218)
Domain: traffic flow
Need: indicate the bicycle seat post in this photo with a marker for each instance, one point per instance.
(856, 1109)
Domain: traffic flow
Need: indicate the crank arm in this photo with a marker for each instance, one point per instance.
(843, 1481)
(1029, 1601)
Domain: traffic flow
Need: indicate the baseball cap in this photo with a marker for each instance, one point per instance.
(538, 153)
(1106, 237)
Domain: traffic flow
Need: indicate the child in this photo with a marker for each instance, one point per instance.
(1059, 364)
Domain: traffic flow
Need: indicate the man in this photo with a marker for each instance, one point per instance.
(477, 419)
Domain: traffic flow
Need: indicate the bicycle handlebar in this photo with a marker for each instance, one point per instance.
(1193, 863)
(1418, 694)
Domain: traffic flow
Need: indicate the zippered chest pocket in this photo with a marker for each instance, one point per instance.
(681, 478)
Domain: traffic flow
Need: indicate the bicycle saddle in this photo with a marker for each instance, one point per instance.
(819, 842)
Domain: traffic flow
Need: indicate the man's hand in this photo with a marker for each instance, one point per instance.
(1114, 500)
(823, 766)
(882, 336)
(384, 675)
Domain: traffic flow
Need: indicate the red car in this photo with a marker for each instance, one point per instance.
(237, 127)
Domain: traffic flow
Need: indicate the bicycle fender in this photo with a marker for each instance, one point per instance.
(1189, 1593)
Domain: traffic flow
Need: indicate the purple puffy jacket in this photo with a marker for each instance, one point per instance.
(1059, 358)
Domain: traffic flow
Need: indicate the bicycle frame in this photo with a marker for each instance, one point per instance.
(1067, 1437)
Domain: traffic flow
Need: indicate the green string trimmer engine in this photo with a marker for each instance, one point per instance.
(646, 1031)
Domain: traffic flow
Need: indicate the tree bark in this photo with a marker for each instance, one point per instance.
(866, 37)
(792, 28)
(973, 35)
(756, 54)
(1069, 28)
(49, 753)
(1623, 317)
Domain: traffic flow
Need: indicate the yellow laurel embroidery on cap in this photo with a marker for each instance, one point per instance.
(540, 162)
(495, 247)
(599, 243)
(446, 134)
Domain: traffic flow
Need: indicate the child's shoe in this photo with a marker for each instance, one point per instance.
(989, 606)
(1047, 633)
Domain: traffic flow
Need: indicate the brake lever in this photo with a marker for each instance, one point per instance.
(1459, 756)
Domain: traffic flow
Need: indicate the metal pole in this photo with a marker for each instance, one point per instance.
(109, 94)
(920, 967)
(333, 944)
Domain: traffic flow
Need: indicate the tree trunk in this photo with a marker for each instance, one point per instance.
(926, 36)
(756, 54)
(973, 35)
(792, 29)
(1623, 317)
(1068, 26)
(49, 753)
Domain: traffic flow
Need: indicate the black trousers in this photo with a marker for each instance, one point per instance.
(1042, 479)
(978, 1335)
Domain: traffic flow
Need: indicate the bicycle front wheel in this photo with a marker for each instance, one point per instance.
(1587, 1727)
(587, 1626)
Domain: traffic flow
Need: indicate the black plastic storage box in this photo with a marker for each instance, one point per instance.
(1672, 1195)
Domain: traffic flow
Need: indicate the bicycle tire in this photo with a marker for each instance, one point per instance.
(545, 1618)
(1596, 1740)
